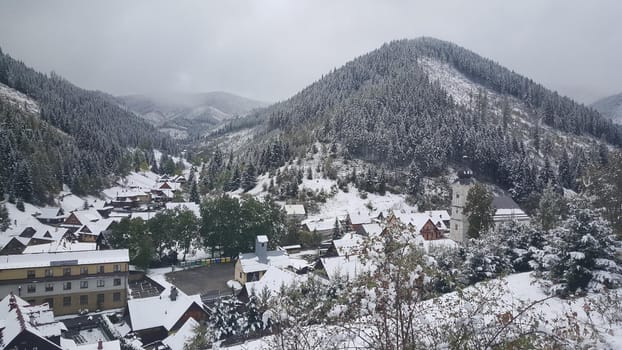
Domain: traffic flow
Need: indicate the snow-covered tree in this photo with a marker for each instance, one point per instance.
(580, 255)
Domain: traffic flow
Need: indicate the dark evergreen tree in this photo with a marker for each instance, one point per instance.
(479, 210)
(20, 205)
(194, 193)
(5, 221)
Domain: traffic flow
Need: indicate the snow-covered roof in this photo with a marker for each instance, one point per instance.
(41, 231)
(69, 344)
(49, 213)
(195, 208)
(510, 214)
(372, 229)
(64, 258)
(250, 262)
(349, 244)
(262, 239)
(320, 225)
(438, 215)
(359, 218)
(182, 336)
(160, 311)
(61, 245)
(340, 266)
(131, 193)
(84, 216)
(272, 281)
(25, 318)
(418, 220)
(295, 209)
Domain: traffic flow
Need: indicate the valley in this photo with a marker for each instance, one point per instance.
(418, 196)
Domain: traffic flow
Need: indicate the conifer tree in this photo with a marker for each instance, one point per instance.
(479, 210)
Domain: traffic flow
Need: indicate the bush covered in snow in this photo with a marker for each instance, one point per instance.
(580, 255)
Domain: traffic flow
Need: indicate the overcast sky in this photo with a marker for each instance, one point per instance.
(269, 50)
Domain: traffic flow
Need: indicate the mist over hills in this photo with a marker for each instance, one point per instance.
(183, 115)
(610, 107)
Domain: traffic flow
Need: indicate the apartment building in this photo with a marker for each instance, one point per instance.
(68, 281)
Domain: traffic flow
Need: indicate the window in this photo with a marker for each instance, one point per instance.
(456, 226)
(116, 296)
(457, 195)
(100, 269)
(84, 299)
(240, 274)
(49, 287)
(31, 274)
(100, 283)
(84, 270)
(117, 282)
(66, 301)
(32, 288)
(84, 284)
(100, 299)
(49, 273)
(67, 286)
(50, 302)
(117, 268)
(67, 271)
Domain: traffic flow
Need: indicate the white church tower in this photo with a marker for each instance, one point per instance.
(459, 191)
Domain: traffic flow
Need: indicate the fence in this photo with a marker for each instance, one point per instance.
(204, 262)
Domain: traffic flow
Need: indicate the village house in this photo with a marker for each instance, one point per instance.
(371, 230)
(251, 267)
(155, 318)
(32, 235)
(348, 245)
(25, 326)
(131, 199)
(355, 222)
(271, 282)
(429, 225)
(295, 212)
(68, 281)
(50, 216)
(323, 227)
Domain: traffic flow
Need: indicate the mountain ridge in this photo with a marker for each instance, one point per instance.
(97, 138)
(396, 107)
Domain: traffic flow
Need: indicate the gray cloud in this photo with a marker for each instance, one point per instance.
(271, 49)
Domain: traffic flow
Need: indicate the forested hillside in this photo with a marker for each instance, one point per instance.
(427, 104)
(61, 134)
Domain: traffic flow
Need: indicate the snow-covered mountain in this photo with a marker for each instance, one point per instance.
(432, 104)
(610, 107)
(182, 115)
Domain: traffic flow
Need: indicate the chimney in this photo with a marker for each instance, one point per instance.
(100, 345)
(174, 292)
(261, 248)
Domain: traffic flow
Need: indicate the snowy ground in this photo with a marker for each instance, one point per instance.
(18, 99)
(516, 288)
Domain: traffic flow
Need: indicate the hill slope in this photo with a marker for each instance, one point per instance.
(430, 103)
(610, 107)
(183, 115)
(54, 132)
